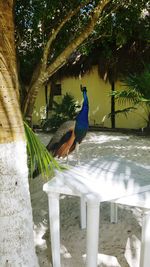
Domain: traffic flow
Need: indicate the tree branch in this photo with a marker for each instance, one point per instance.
(44, 74)
(61, 59)
(55, 32)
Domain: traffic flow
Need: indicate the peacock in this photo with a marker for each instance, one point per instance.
(70, 134)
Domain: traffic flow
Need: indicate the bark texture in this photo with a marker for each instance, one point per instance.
(11, 126)
(16, 226)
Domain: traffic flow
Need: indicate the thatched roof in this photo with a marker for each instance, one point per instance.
(124, 60)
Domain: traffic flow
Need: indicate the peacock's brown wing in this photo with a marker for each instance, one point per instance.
(62, 139)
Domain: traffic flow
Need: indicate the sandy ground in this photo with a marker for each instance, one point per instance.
(119, 243)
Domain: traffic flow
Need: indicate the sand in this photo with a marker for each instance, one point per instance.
(119, 244)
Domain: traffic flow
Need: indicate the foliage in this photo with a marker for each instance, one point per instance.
(140, 83)
(137, 91)
(129, 95)
(36, 21)
(122, 21)
(45, 40)
(138, 88)
(64, 111)
(124, 111)
(121, 40)
(38, 155)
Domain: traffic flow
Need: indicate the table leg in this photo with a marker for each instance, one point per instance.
(145, 241)
(53, 200)
(113, 212)
(92, 233)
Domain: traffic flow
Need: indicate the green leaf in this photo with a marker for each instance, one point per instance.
(128, 95)
(124, 111)
(39, 156)
(64, 111)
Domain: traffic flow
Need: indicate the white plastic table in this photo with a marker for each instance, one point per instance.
(141, 200)
(103, 179)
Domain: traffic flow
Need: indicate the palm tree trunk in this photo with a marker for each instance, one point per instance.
(16, 226)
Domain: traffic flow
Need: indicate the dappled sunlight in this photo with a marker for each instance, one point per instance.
(108, 143)
(140, 147)
(102, 138)
(42, 243)
(119, 243)
(95, 110)
(106, 173)
(141, 200)
(39, 232)
(40, 114)
(96, 144)
(64, 252)
(105, 260)
(132, 251)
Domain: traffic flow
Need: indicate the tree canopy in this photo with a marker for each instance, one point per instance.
(120, 45)
(37, 20)
(48, 33)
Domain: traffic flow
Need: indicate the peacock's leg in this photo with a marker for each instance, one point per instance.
(77, 153)
(67, 159)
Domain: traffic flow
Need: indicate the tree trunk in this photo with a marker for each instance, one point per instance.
(113, 122)
(16, 226)
(46, 100)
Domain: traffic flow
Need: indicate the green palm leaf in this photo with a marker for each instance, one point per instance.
(137, 93)
(39, 155)
(127, 96)
(124, 111)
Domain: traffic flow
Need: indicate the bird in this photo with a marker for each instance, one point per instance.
(71, 133)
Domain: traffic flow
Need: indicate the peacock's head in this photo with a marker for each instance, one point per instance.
(83, 89)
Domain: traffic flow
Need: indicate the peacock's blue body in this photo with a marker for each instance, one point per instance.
(82, 124)
(71, 133)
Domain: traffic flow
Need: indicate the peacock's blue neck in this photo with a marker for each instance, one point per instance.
(82, 117)
(85, 101)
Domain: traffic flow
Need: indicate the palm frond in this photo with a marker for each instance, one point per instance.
(124, 111)
(131, 96)
(139, 83)
(39, 155)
